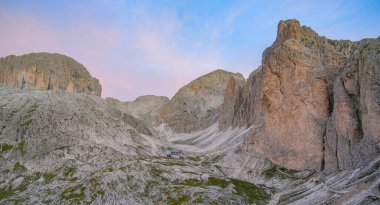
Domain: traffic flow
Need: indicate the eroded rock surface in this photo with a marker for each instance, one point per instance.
(232, 100)
(313, 101)
(146, 108)
(195, 105)
(46, 71)
(56, 121)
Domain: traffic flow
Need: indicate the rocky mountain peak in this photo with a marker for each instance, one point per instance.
(288, 29)
(292, 29)
(309, 101)
(197, 100)
(47, 71)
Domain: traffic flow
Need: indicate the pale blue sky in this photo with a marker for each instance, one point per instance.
(155, 47)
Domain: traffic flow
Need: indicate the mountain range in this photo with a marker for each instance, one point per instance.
(304, 128)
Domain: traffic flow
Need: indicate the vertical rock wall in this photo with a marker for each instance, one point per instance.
(314, 101)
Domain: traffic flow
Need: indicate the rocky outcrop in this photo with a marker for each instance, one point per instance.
(45, 71)
(352, 135)
(68, 123)
(232, 100)
(195, 105)
(313, 101)
(145, 108)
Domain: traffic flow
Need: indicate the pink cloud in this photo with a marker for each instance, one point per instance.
(129, 61)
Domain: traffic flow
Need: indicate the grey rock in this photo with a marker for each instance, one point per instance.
(46, 71)
(197, 101)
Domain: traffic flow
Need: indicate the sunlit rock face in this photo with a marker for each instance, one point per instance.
(195, 106)
(314, 101)
(46, 71)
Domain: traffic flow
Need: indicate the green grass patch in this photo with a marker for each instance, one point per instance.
(28, 179)
(5, 193)
(277, 170)
(213, 181)
(271, 172)
(69, 172)
(199, 200)
(8, 192)
(74, 194)
(94, 182)
(21, 200)
(19, 168)
(173, 163)
(250, 191)
(155, 172)
(4, 147)
(287, 171)
(21, 146)
(96, 194)
(94, 187)
(112, 185)
(216, 158)
(48, 176)
(109, 169)
(178, 201)
(194, 158)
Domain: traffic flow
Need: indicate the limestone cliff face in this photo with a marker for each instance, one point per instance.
(314, 101)
(45, 71)
(352, 135)
(195, 105)
(232, 101)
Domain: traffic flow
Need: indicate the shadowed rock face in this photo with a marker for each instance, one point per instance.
(314, 101)
(232, 100)
(45, 71)
(145, 108)
(195, 105)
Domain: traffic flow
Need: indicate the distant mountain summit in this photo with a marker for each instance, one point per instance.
(145, 108)
(192, 105)
(47, 71)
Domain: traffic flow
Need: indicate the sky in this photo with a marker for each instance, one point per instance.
(140, 47)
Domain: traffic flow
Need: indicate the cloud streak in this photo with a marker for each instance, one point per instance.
(129, 60)
(156, 47)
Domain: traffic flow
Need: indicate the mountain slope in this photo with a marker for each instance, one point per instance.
(195, 105)
(68, 148)
(303, 129)
(146, 108)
